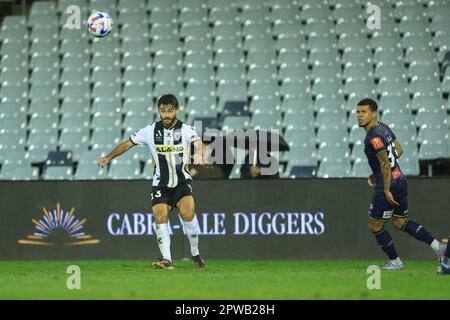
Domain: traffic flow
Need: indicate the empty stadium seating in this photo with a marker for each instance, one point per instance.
(299, 65)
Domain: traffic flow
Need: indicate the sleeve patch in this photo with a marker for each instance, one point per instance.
(377, 143)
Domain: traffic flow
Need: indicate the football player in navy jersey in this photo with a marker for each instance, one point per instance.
(390, 200)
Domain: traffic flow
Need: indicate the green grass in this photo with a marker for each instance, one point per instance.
(231, 279)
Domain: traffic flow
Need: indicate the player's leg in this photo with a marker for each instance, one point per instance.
(379, 212)
(386, 243)
(186, 206)
(401, 222)
(161, 213)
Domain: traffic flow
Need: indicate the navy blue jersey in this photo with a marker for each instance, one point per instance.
(379, 139)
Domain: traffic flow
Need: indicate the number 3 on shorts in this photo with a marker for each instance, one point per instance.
(157, 194)
(387, 214)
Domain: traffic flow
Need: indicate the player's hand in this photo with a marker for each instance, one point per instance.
(390, 198)
(103, 161)
(371, 181)
(255, 171)
(198, 159)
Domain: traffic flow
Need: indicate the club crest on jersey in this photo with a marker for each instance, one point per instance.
(177, 134)
(377, 143)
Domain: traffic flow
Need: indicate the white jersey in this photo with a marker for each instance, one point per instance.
(170, 149)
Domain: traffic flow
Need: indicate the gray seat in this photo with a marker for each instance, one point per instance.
(44, 124)
(13, 93)
(124, 172)
(433, 119)
(334, 169)
(139, 77)
(89, 172)
(105, 122)
(302, 156)
(12, 109)
(12, 141)
(75, 141)
(19, 172)
(300, 138)
(42, 91)
(265, 121)
(106, 91)
(74, 92)
(327, 88)
(428, 104)
(105, 139)
(108, 107)
(58, 173)
(361, 169)
(14, 78)
(43, 108)
(404, 121)
(331, 138)
(15, 156)
(264, 90)
(40, 144)
(229, 92)
(235, 122)
(137, 92)
(77, 62)
(132, 123)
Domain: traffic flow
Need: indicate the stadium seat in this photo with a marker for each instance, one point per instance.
(105, 139)
(235, 122)
(39, 144)
(361, 169)
(19, 172)
(124, 171)
(334, 170)
(89, 172)
(58, 173)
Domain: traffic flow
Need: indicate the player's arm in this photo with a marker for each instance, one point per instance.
(386, 173)
(200, 151)
(118, 150)
(398, 147)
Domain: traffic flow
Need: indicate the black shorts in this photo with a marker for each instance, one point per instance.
(382, 210)
(171, 196)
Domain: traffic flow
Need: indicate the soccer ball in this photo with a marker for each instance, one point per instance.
(99, 24)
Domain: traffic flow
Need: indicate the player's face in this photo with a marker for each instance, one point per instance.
(365, 116)
(168, 114)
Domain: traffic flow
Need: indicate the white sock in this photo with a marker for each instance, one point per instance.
(192, 232)
(435, 245)
(163, 239)
(397, 261)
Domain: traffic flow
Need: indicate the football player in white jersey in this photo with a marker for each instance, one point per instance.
(169, 141)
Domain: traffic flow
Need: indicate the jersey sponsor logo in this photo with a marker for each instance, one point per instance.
(164, 149)
(377, 143)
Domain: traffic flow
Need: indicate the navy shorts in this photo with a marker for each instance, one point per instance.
(171, 196)
(382, 210)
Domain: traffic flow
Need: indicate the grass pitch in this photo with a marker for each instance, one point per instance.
(230, 279)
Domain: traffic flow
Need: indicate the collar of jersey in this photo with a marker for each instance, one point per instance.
(174, 124)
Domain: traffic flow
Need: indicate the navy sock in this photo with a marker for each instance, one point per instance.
(386, 243)
(417, 231)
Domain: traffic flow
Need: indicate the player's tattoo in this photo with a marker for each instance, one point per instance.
(385, 169)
